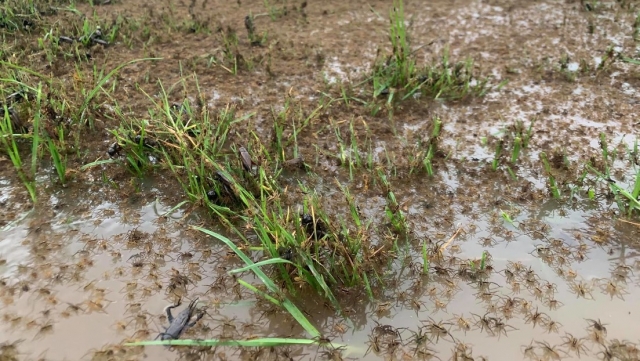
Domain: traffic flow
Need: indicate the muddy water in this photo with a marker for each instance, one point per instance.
(91, 279)
(99, 278)
(83, 278)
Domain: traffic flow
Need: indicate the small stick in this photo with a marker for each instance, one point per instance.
(377, 251)
(444, 246)
(625, 221)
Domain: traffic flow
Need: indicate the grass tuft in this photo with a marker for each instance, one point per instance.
(398, 77)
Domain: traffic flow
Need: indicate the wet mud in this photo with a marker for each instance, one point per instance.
(514, 272)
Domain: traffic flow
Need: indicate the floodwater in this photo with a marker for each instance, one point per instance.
(89, 269)
(103, 277)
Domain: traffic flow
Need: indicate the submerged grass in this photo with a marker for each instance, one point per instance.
(276, 296)
(422, 154)
(394, 213)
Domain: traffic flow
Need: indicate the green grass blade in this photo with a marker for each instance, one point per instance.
(97, 163)
(169, 212)
(105, 79)
(634, 202)
(258, 342)
(318, 277)
(26, 70)
(260, 292)
(286, 303)
(35, 142)
(636, 187)
(260, 264)
(630, 60)
(57, 161)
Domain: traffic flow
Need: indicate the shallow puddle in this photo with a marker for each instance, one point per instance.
(76, 285)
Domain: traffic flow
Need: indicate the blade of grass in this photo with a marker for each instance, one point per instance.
(105, 79)
(167, 213)
(57, 161)
(35, 142)
(286, 303)
(97, 163)
(260, 292)
(259, 342)
(260, 264)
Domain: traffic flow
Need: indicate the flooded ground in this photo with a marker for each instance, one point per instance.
(525, 261)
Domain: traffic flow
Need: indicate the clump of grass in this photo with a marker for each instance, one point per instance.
(394, 214)
(517, 146)
(516, 137)
(351, 152)
(568, 74)
(400, 66)
(194, 144)
(399, 77)
(59, 162)
(189, 141)
(521, 138)
(11, 147)
(449, 80)
(324, 254)
(629, 202)
(425, 259)
(483, 260)
(553, 185)
(422, 154)
(432, 147)
(18, 15)
(604, 147)
(32, 119)
(609, 58)
(275, 12)
(232, 57)
(282, 140)
(13, 123)
(279, 124)
(496, 156)
(507, 217)
(101, 79)
(254, 38)
(525, 135)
